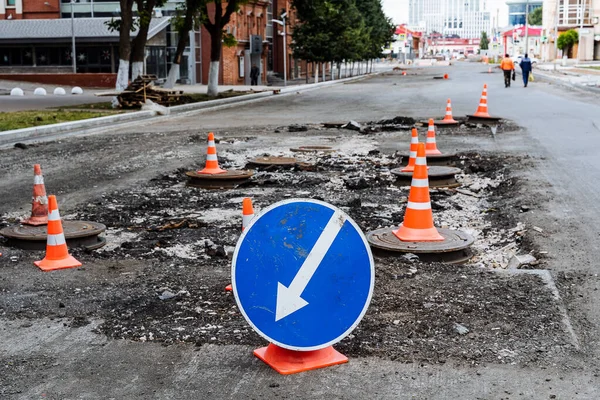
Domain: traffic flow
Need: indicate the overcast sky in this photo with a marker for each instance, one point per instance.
(397, 10)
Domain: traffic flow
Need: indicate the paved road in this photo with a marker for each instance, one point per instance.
(563, 137)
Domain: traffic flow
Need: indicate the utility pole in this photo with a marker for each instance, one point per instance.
(556, 35)
(282, 23)
(580, 29)
(73, 55)
(526, 28)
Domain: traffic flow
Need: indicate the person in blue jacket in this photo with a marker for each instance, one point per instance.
(525, 65)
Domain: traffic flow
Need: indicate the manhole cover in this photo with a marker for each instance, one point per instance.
(454, 249)
(438, 176)
(77, 234)
(228, 180)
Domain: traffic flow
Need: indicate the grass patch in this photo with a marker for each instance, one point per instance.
(28, 119)
(596, 68)
(107, 105)
(184, 99)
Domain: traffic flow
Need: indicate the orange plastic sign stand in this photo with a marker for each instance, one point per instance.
(288, 362)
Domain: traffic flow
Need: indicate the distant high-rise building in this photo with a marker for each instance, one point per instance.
(517, 10)
(463, 18)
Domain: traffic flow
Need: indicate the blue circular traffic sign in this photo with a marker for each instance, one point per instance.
(303, 274)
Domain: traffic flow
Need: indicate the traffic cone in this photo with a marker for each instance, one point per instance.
(448, 119)
(39, 203)
(414, 141)
(247, 212)
(57, 254)
(445, 76)
(418, 217)
(482, 110)
(212, 163)
(247, 216)
(403, 73)
(431, 146)
(489, 70)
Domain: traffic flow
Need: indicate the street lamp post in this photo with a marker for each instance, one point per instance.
(526, 27)
(282, 23)
(73, 39)
(582, 10)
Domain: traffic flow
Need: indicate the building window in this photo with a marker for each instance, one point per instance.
(571, 12)
(11, 3)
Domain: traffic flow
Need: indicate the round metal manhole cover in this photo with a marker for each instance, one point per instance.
(227, 180)
(442, 160)
(71, 229)
(438, 176)
(453, 241)
(281, 161)
(77, 234)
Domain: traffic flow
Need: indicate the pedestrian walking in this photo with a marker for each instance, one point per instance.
(254, 73)
(526, 67)
(508, 66)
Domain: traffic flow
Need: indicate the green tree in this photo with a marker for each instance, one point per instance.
(214, 22)
(567, 40)
(484, 41)
(138, 51)
(340, 30)
(535, 17)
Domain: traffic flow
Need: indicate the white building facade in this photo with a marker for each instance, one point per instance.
(464, 18)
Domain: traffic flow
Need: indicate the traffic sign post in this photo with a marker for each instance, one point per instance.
(303, 278)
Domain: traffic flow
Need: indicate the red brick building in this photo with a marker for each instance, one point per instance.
(249, 27)
(30, 9)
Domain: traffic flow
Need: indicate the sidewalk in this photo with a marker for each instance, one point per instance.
(584, 76)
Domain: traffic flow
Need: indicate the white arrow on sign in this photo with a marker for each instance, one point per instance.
(288, 298)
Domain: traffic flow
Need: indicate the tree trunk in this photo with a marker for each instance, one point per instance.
(138, 51)
(124, 44)
(215, 57)
(339, 70)
(184, 35)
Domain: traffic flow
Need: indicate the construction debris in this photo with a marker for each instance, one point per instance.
(142, 89)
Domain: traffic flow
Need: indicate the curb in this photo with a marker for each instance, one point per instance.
(52, 132)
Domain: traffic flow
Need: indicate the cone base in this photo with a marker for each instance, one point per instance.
(35, 221)
(435, 152)
(228, 288)
(211, 171)
(52, 265)
(482, 114)
(408, 169)
(448, 121)
(288, 362)
(418, 235)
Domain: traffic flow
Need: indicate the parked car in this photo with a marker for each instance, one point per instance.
(517, 60)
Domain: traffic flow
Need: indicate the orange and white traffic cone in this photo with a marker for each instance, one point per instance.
(448, 119)
(57, 254)
(489, 70)
(247, 212)
(403, 73)
(39, 203)
(414, 141)
(431, 146)
(482, 110)
(418, 217)
(212, 163)
(247, 216)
